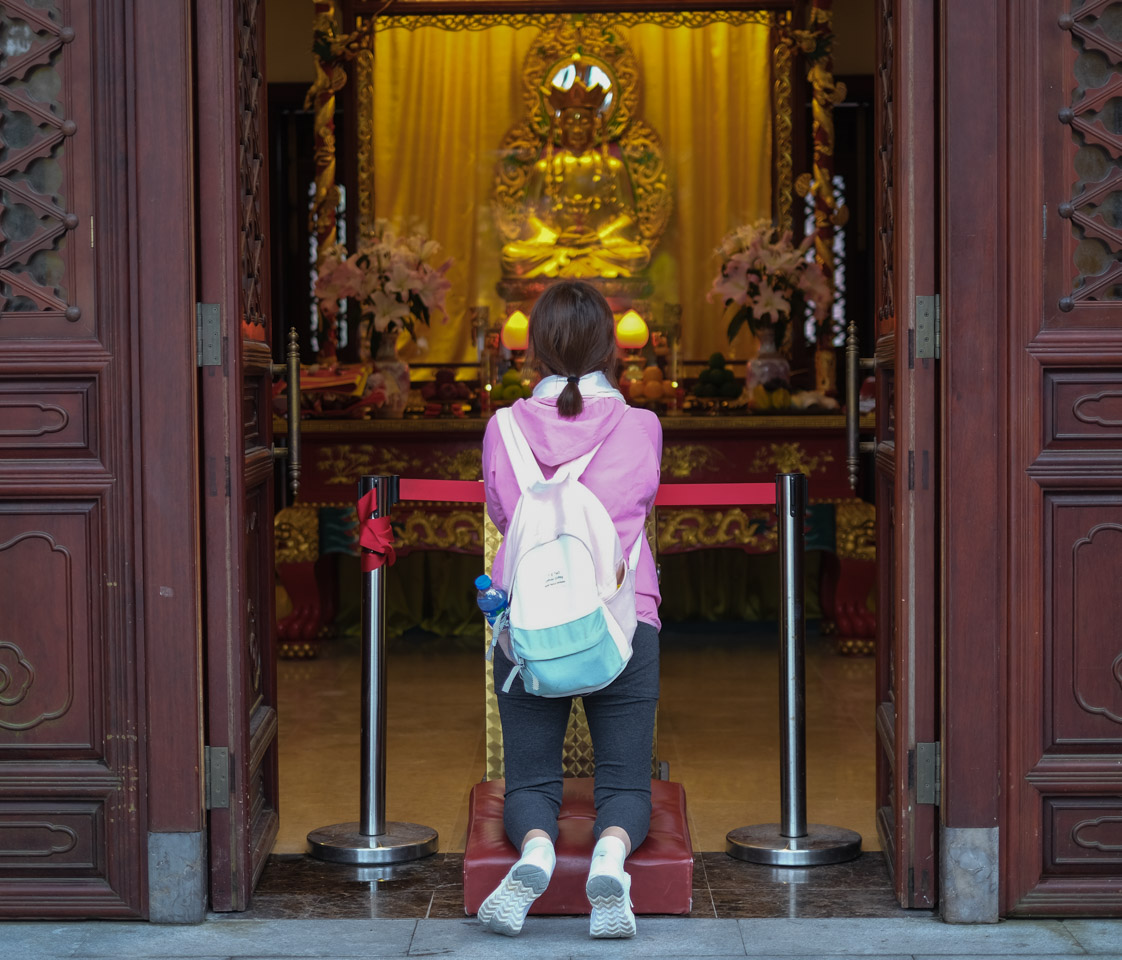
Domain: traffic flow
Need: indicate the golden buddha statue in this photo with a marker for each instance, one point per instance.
(580, 219)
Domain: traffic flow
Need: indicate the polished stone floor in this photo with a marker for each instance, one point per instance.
(717, 729)
(298, 887)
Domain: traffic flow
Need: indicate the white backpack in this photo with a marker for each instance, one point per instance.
(572, 596)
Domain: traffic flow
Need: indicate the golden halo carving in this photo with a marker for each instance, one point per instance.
(581, 65)
(595, 40)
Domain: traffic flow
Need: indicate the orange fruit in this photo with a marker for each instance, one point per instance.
(652, 390)
(652, 373)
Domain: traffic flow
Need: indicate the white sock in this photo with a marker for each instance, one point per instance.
(608, 856)
(539, 852)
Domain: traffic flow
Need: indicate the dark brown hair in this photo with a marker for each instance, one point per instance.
(572, 333)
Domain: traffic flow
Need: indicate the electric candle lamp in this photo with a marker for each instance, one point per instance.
(516, 331)
(631, 335)
(631, 331)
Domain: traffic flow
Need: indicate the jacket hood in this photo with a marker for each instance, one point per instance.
(556, 440)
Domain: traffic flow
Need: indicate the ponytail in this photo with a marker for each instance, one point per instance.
(570, 402)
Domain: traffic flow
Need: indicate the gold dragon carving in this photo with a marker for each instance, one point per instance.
(790, 458)
(296, 535)
(683, 460)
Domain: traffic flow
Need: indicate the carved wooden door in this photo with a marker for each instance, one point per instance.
(1062, 842)
(906, 469)
(71, 801)
(236, 440)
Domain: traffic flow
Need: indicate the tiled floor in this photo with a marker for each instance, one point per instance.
(717, 728)
(296, 887)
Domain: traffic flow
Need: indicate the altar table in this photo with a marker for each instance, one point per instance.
(695, 450)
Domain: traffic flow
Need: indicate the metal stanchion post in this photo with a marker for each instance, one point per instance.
(794, 842)
(373, 840)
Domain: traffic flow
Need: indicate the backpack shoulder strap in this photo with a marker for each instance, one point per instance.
(526, 468)
(636, 551)
(574, 468)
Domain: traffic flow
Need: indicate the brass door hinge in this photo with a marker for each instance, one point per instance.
(216, 775)
(929, 328)
(928, 773)
(208, 335)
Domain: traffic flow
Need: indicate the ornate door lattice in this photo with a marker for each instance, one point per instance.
(1094, 247)
(44, 271)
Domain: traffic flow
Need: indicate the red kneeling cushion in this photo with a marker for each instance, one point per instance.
(661, 868)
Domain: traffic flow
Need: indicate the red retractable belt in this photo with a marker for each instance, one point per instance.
(374, 534)
(669, 494)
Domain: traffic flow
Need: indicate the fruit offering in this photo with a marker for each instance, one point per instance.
(771, 397)
(510, 388)
(445, 393)
(717, 381)
(648, 389)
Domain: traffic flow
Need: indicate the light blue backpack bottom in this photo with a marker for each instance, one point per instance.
(566, 660)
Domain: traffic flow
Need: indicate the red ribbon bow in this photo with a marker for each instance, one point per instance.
(375, 535)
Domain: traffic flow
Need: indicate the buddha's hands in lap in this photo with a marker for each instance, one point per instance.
(577, 237)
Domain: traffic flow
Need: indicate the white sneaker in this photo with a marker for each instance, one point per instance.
(504, 911)
(609, 892)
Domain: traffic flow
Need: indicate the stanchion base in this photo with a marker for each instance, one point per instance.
(763, 843)
(343, 843)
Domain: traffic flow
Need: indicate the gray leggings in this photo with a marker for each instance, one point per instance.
(621, 720)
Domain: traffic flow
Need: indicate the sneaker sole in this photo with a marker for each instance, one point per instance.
(612, 917)
(504, 911)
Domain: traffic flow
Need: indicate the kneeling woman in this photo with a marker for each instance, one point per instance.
(575, 408)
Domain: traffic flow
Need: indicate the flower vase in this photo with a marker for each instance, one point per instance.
(396, 374)
(769, 365)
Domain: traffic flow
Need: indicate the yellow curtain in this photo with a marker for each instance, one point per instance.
(443, 100)
(707, 93)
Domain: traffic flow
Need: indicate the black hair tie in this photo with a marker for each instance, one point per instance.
(572, 379)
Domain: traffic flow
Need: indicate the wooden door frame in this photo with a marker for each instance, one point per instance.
(160, 148)
(907, 458)
(975, 336)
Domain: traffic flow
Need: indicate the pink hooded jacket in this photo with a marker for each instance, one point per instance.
(624, 474)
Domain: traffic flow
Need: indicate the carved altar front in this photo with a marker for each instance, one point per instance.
(695, 450)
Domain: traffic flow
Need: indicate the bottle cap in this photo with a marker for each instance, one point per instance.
(483, 582)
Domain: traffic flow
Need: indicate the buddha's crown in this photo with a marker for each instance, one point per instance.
(578, 95)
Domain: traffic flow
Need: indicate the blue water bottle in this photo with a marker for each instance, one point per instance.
(490, 598)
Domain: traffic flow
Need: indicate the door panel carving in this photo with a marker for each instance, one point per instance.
(1084, 835)
(1083, 409)
(1083, 652)
(60, 839)
(47, 681)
